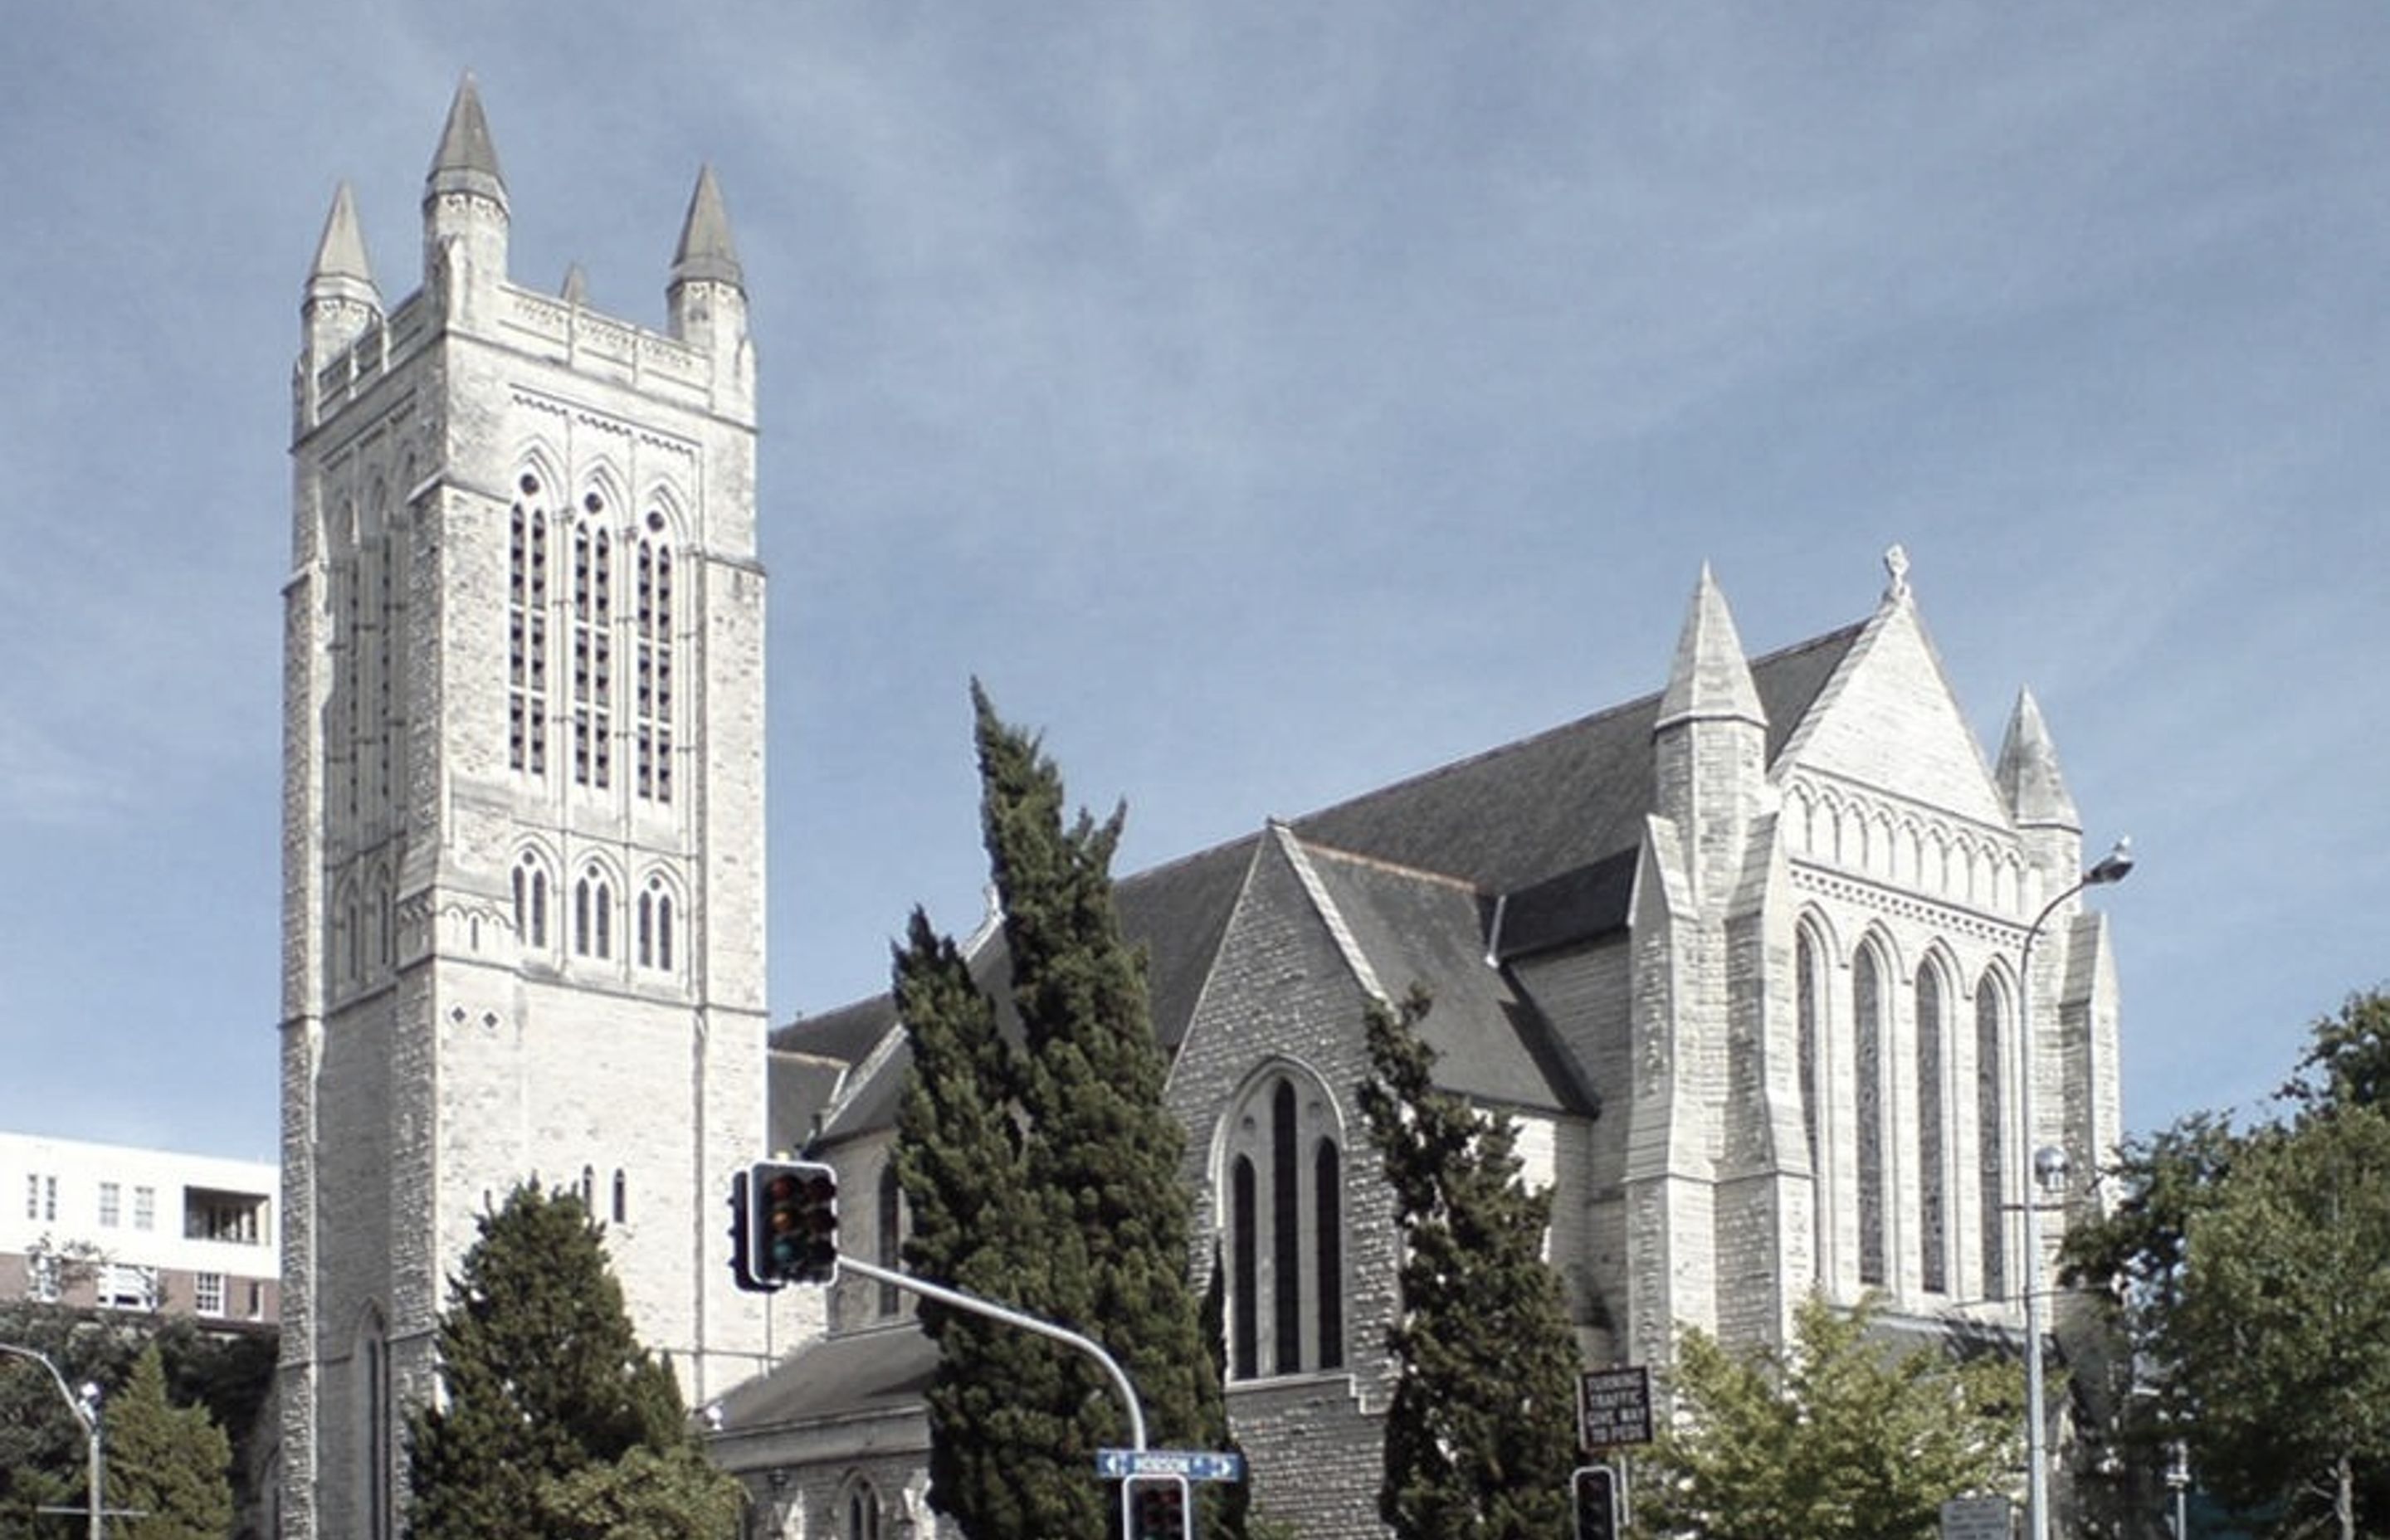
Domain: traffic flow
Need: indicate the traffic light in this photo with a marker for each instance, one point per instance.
(1593, 1492)
(743, 1243)
(1156, 1508)
(792, 1223)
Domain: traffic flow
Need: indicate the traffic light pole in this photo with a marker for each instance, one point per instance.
(995, 1312)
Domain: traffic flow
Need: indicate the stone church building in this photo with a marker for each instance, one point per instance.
(1741, 957)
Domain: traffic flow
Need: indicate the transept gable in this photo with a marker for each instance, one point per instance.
(1887, 719)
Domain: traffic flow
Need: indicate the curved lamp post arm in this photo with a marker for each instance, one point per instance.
(87, 1415)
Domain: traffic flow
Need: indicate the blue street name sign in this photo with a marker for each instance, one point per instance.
(1196, 1465)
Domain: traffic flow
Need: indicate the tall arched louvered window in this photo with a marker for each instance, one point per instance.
(531, 902)
(1933, 1134)
(651, 625)
(1283, 1182)
(1992, 1123)
(527, 632)
(1868, 1034)
(1808, 1008)
(593, 646)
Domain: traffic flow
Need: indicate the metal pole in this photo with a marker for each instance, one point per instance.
(86, 1416)
(1010, 1316)
(2112, 868)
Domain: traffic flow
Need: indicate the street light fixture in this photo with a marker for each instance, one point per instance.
(86, 1408)
(2043, 1167)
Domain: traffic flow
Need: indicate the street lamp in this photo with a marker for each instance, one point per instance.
(86, 1408)
(2042, 1167)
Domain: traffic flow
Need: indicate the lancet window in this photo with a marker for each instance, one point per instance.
(593, 646)
(651, 625)
(1284, 1185)
(527, 703)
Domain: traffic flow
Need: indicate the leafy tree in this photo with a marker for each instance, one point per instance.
(1481, 1434)
(2244, 1269)
(2283, 1334)
(168, 1466)
(1046, 1175)
(553, 1409)
(1842, 1436)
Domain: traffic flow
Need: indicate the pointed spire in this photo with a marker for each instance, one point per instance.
(2028, 773)
(576, 285)
(1710, 678)
(706, 252)
(340, 256)
(467, 161)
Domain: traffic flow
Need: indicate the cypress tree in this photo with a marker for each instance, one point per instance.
(169, 1467)
(1482, 1433)
(1048, 1176)
(547, 1386)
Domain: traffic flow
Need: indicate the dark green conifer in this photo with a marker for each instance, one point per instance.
(1481, 1434)
(1047, 1175)
(546, 1383)
(169, 1467)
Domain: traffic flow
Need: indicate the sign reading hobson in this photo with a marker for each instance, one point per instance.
(1613, 1407)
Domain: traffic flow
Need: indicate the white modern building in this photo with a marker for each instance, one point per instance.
(123, 1227)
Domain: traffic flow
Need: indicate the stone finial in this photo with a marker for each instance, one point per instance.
(1896, 568)
(575, 291)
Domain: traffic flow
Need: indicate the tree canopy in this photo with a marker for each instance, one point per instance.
(555, 1420)
(1042, 1170)
(2245, 1267)
(1481, 1434)
(1844, 1436)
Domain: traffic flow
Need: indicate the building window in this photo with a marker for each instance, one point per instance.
(144, 1208)
(32, 1195)
(859, 1513)
(238, 1219)
(111, 1198)
(208, 1294)
(652, 633)
(531, 902)
(593, 647)
(527, 601)
(256, 1299)
(1285, 1233)
(1867, 1020)
(127, 1287)
(654, 925)
(1991, 1151)
(50, 1199)
(593, 915)
(1808, 1010)
(622, 1196)
(1933, 1135)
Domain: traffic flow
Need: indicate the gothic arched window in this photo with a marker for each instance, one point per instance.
(1286, 1231)
(593, 646)
(1808, 1014)
(1868, 1032)
(527, 632)
(1991, 1117)
(593, 915)
(652, 638)
(859, 1512)
(531, 902)
(1933, 1133)
(653, 922)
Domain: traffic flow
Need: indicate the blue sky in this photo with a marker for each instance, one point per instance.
(1268, 401)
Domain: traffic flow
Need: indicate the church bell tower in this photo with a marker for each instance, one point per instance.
(522, 806)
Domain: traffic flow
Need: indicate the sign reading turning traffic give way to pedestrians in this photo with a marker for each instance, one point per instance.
(1196, 1465)
(1614, 1408)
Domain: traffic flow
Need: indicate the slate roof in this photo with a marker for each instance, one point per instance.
(843, 1374)
(1549, 826)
